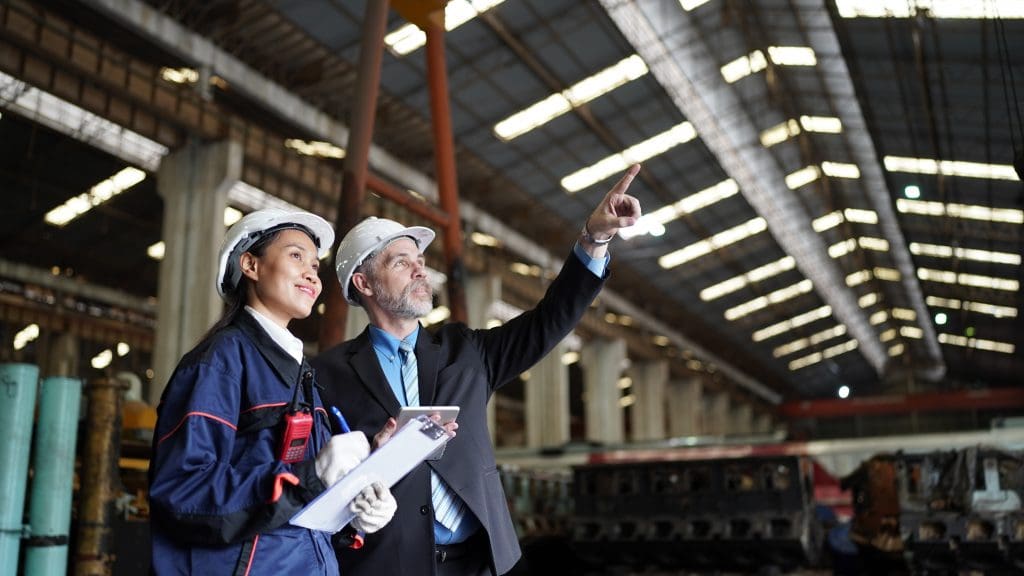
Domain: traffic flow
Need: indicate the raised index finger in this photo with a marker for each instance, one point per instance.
(623, 184)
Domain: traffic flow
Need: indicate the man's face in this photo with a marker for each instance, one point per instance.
(399, 281)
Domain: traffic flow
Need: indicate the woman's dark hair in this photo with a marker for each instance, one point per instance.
(236, 297)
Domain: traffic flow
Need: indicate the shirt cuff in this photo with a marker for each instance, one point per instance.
(597, 266)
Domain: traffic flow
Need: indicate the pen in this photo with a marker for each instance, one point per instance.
(341, 420)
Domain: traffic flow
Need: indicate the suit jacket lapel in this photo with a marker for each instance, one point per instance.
(367, 367)
(427, 355)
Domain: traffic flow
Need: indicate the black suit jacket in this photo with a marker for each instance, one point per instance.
(457, 366)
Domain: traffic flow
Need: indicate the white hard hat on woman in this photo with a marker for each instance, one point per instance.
(252, 227)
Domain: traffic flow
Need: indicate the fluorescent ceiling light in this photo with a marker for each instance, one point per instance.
(775, 297)
(940, 251)
(878, 318)
(756, 275)
(977, 343)
(555, 105)
(976, 280)
(679, 134)
(963, 211)
(954, 9)
(720, 240)
(979, 307)
(896, 350)
(100, 193)
(794, 322)
(868, 300)
(409, 37)
(950, 168)
(655, 221)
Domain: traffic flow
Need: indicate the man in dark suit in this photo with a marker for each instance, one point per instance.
(452, 514)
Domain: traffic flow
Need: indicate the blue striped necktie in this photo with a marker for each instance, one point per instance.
(448, 508)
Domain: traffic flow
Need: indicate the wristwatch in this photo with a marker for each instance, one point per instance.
(588, 237)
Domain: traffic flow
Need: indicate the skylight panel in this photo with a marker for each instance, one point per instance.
(706, 246)
(679, 134)
(812, 340)
(964, 211)
(756, 275)
(794, 322)
(976, 280)
(790, 128)
(775, 297)
(950, 168)
(942, 9)
(803, 176)
(977, 343)
(408, 37)
(99, 194)
(584, 91)
(940, 251)
(978, 307)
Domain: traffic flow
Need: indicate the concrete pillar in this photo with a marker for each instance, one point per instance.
(685, 407)
(481, 291)
(194, 182)
(603, 361)
(742, 420)
(716, 422)
(547, 401)
(650, 381)
(62, 356)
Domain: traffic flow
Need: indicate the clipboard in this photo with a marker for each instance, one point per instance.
(417, 440)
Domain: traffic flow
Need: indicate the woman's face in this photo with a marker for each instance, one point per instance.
(284, 282)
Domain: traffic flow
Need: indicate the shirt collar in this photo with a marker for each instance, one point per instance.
(281, 336)
(387, 343)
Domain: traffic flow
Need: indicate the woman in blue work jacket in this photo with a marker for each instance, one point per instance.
(242, 439)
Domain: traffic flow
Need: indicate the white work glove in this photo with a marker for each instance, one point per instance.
(341, 454)
(373, 507)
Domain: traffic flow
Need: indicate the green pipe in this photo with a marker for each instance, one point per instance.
(53, 464)
(17, 403)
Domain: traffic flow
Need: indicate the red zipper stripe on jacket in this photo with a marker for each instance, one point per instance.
(252, 554)
(186, 417)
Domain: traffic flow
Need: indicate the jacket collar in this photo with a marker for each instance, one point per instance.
(366, 365)
(282, 363)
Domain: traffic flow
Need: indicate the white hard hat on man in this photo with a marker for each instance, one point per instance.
(254, 226)
(368, 237)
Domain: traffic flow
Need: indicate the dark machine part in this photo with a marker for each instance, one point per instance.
(737, 514)
(953, 511)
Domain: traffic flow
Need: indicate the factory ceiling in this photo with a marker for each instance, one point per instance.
(828, 185)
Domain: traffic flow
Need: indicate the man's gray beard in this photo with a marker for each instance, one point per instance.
(402, 305)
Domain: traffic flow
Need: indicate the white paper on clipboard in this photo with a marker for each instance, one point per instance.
(417, 440)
